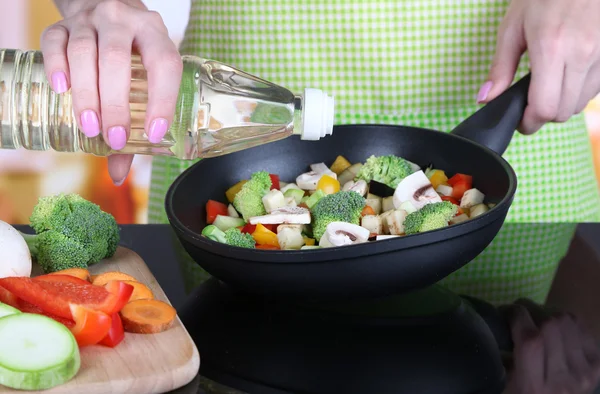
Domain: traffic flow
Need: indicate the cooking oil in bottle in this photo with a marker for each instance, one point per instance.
(220, 110)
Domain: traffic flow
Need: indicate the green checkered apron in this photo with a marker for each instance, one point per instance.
(417, 63)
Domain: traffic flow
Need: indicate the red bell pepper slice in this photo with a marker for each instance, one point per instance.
(250, 228)
(274, 181)
(459, 189)
(460, 178)
(213, 209)
(26, 307)
(116, 333)
(8, 298)
(54, 293)
(90, 326)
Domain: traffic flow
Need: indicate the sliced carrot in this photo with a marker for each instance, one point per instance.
(106, 277)
(93, 278)
(367, 210)
(147, 316)
(80, 273)
(140, 291)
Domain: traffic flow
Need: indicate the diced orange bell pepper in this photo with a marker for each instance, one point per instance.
(264, 236)
(438, 177)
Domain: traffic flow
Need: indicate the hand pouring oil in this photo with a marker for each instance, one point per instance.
(220, 110)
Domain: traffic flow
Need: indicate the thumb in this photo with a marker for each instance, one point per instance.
(118, 167)
(510, 45)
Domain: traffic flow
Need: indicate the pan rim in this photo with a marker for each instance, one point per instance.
(358, 250)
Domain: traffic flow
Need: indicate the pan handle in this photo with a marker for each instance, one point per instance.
(495, 123)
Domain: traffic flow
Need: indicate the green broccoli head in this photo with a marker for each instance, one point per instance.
(248, 201)
(430, 217)
(67, 224)
(389, 170)
(235, 237)
(344, 206)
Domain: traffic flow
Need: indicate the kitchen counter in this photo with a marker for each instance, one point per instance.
(155, 244)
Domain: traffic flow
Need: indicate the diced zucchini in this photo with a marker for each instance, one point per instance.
(477, 210)
(471, 198)
(306, 247)
(282, 185)
(375, 203)
(314, 198)
(340, 165)
(350, 173)
(232, 212)
(224, 223)
(290, 202)
(6, 310)
(288, 187)
(296, 194)
(459, 219)
(408, 207)
(372, 223)
(387, 204)
(491, 205)
(444, 190)
(372, 196)
(273, 200)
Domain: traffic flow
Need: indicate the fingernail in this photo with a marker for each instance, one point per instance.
(158, 129)
(484, 91)
(117, 137)
(89, 123)
(59, 82)
(119, 183)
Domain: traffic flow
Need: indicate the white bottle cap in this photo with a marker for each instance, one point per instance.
(317, 114)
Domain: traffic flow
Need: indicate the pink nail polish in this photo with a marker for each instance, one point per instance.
(117, 137)
(89, 123)
(158, 129)
(59, 82)
(484, 91)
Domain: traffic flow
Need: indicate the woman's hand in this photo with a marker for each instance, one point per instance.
(562, 38)
(90, 52)
(552, 354)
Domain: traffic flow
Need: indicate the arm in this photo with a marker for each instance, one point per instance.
(576, 286)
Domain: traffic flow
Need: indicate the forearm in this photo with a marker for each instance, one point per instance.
(576, 286)
(71, 7)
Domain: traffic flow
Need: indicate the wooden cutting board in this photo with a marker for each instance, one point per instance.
(141, 363)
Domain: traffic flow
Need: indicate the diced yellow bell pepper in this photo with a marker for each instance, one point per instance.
(328, 184)
(438, 177)
(339, 165)
(264, 236)
(233, 190)
(309, 241)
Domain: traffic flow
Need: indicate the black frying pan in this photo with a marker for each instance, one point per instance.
(365, 270)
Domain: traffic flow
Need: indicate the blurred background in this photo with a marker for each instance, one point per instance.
(26, 175)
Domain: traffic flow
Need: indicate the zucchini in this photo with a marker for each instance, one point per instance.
(349, 174)
(314, 198)
(36, 352)
(296, 194)
(224, 223)
(232, 212)
(6, 310)
(387, 204)
(374, 203)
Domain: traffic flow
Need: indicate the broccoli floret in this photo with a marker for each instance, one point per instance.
(235, 237)
(232, 237)
(389, 170)
(430, 217)
(248, 201)
(344, 206)
(71, 232)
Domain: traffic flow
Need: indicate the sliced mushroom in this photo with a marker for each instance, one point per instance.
(359, 186)
(321, 168)
(309, 180)
(471, 198)
(417, 189)
(342, 233)
(289, 215)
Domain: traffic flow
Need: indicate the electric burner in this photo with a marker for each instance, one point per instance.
(427, 341)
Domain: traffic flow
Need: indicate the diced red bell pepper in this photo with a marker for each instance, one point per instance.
(460, 178)
(116, 333)
(459, 189)
(248, 228)
(8, 298)
(274, 181)
(90, 326)
(54, 293)
(453, 201)
(213, 209)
